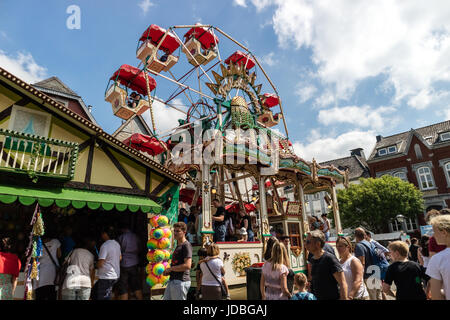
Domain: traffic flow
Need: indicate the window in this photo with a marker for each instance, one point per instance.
(411, 225)
(294, 235)
(30, 121)
(382, 152)
(392, 149)
(447, 172)
(418, 151)
(445, 136)
(401, 175)
(425, 178)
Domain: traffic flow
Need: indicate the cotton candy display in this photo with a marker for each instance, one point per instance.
(158, 256)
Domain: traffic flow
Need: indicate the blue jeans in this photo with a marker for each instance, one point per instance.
(176, 290)
(76, 294)
(327, 235)
(250, 236)
(219, 233)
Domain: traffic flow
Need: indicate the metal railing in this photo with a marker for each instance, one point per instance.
(37, 156)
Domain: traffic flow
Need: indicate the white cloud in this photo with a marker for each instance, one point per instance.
(269, 59)
(407, 41)
(23, 66)
(329, 148)
(363, 117)
(145, 5)
(240, 3)
(166, 118)
(427, 97)
(305, 91)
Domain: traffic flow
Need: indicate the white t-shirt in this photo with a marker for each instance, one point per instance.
(47, 269)
(110, 252)
(439, 269)
(207, 277)
(81, 262)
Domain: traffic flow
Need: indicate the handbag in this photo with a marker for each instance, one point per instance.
(222, 286)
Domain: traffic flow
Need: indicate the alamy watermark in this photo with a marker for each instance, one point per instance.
(74, 19)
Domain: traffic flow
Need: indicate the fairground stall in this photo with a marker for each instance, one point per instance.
(232, 142)
(75, 174)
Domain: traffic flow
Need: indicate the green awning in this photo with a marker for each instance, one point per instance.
(64, 197)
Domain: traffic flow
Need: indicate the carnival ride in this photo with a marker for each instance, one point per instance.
(222, 92)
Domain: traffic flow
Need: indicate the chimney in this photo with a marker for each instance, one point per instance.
(357, 152)
(379, 138)
(90, 108)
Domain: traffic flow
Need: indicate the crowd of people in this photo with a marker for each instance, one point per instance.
(78, 267)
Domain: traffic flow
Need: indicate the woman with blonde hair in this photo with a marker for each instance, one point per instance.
(439, 264)
(353, 270)
(273, 283)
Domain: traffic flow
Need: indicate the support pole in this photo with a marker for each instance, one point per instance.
(337, 218)
(207, 230)
(263, 209)
(304, 226)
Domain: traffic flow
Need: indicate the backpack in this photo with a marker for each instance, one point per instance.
(378, 259)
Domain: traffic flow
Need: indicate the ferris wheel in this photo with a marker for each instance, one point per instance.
(201, 72)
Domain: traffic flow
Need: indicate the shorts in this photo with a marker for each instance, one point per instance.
(103, 288)
(130, 278)
(176, 290)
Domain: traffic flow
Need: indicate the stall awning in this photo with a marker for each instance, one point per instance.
(64, 197)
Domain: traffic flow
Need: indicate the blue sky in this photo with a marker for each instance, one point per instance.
(346, 70)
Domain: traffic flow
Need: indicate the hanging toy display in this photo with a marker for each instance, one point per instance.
(158, 255)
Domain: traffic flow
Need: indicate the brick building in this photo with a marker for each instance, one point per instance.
(420, 156)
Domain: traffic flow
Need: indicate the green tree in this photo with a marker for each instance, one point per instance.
(375, 202)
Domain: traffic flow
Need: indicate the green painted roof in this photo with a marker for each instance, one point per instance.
(64, 197)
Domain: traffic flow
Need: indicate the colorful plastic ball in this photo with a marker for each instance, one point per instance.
(154, 221)
(167, 255)
(164, 279)
(158, 233)
(152, 244)
(150, 256)
(158, 255)
(152, 280)
(167, 232)
(162, 221)
(158, 269)
(165, 264)
(148, 268)
(164, 243)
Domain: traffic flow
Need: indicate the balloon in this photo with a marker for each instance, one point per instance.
(148, 268)
(157, 255)
(167, 232)
(150, 256)
(158, 269)
(152, 280)
(157, 233)
(154, 221)
(162, 221)
(164, 243)
(152, 244)
(164, 279)
(167, 254)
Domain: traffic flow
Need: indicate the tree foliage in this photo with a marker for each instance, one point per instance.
(375, 202)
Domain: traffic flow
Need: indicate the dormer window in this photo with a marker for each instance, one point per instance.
(382, 152)
(445, 136)
(392, 149)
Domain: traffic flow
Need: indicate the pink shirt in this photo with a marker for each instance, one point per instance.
(273, 281)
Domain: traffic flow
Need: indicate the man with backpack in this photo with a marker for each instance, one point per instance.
(366, 253)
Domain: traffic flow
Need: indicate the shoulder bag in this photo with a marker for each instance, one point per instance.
(222, 286)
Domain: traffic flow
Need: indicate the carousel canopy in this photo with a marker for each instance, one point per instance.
(205, 36)
(156, 33)
(144, 143)
(271, 100)
(77, 198)
(187, 195)
(234, 207)
(241, 58)
(133, 78)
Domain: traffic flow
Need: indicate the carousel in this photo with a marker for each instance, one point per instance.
(232, 142)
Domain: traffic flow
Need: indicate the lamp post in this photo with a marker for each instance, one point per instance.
(401, 219)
